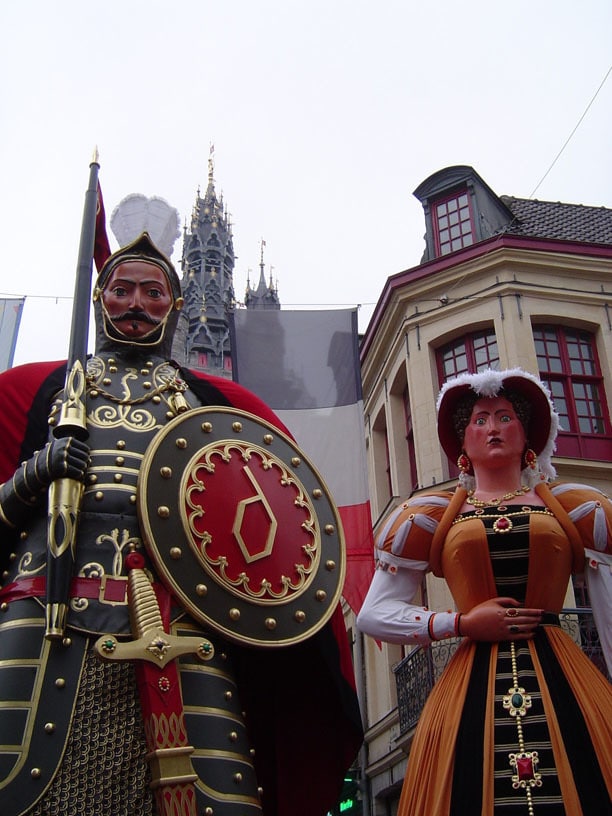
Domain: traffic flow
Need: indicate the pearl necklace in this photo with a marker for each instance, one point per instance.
(471, 499)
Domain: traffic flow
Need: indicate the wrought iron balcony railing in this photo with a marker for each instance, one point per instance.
(416, 673)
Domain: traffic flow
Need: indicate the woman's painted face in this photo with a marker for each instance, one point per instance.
(494, 436)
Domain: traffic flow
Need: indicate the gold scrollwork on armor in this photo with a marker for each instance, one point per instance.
(122, 416)
(119, 544)
(23, 564)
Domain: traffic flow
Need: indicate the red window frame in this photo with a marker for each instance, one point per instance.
(568, 364)
(467, 354)
(453, 223)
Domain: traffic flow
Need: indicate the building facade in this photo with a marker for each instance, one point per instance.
(503, 282)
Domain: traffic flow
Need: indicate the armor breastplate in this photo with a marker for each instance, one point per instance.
(128, 402)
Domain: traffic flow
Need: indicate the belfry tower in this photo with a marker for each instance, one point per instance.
(202, 337)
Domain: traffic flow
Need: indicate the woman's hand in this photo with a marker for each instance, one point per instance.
(500, 619)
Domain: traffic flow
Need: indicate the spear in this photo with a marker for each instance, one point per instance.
(65, 494)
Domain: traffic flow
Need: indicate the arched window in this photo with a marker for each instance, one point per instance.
(469, 353)
(569, 365)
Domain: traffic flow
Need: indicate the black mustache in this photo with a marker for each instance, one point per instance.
(136, 315)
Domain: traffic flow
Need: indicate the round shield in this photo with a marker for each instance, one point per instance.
(241, 527)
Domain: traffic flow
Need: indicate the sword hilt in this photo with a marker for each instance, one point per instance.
(151, 641)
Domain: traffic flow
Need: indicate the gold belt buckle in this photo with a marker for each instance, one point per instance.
(102, 590)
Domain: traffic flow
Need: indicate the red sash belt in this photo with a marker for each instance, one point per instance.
(105, 589)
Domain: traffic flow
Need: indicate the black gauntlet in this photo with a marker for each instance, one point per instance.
(60, 458)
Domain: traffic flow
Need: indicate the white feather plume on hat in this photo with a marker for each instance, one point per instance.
(544, 422)
(136, 214)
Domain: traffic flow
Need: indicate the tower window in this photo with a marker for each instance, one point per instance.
(453, 224)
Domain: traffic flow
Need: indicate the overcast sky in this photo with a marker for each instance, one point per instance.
(325, 116)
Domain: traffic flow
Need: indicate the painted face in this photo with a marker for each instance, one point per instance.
(494, 436)
(137, 298)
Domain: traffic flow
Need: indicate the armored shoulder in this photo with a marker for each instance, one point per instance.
(590, 510)
(408, 531)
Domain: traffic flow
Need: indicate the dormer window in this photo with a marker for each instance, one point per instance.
(453, 224)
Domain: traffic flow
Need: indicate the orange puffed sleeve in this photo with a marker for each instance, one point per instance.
(408, 531)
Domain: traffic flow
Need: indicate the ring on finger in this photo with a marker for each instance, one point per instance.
(512, 612)
(514, 629)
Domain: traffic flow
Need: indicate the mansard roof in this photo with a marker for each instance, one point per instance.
(554, 219)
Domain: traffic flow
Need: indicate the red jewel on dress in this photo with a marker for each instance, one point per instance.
(524, 768)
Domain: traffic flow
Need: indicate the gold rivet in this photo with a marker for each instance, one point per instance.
(99, 495)
(299, 616)
(93, 393)
(118, 477)
(35, 773)
(60, 683)
(228, 695)
(234, 614)
(106, 381)
(3, 606)
(295, 461)
(156, 399)
(163, 511)
(165, 472)
(176, 553)
(330, 565)
(23, 535)
(317, 493)
(144, 371)
(112, 369)
(146, 385)
(92, 478)
(49, 728)
(260, 791)
(51, 421)
(207, 427)
(169, 415)
(201, 590)
(208, 811)
(120, 460)
(121, 444)
(5, 575)
(133, 498)
(320, 595)
(67, 641)
(233, 736)
(270, 623)
(268, 439)
(330, 529)
(237, 426)
(237, 777)
(181, 443)
(251, 752)
(12, 556)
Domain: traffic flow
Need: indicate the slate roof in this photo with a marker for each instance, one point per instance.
(553, 219)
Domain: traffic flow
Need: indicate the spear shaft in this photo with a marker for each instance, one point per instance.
(65, 494)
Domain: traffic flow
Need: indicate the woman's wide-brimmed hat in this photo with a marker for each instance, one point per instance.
(543, 423)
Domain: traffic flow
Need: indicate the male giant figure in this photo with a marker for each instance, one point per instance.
(273, 731)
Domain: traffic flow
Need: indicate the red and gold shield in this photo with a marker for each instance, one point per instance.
(241, 527)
